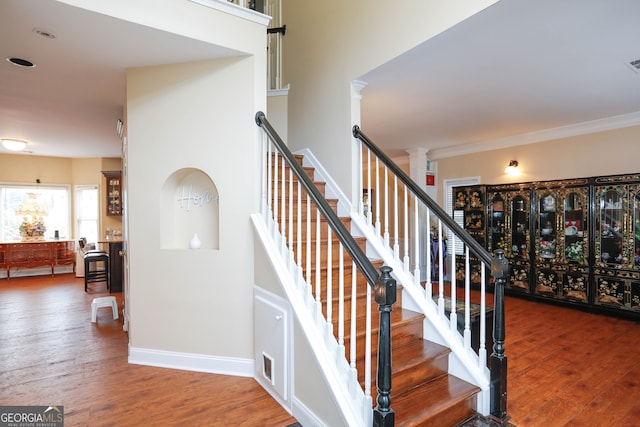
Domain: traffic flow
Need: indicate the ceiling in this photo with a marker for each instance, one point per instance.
(514, 73)
(517, 72)
(68, 105)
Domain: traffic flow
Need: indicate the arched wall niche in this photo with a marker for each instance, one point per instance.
(189, 206)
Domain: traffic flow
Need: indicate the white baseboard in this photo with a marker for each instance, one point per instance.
(192, 362)
(304, 416)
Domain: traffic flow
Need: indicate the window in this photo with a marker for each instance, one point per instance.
(55, 197)
(87, 212)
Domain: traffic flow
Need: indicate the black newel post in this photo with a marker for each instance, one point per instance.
(385, 295)
(500, 272)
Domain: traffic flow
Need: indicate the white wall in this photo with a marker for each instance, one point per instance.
(196, 115)
(330, 43)
(602, 153)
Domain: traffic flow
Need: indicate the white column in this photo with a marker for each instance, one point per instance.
(356, 162)
(418, 173)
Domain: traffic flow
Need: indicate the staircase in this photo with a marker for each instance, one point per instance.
(423, 393)
(349, 306)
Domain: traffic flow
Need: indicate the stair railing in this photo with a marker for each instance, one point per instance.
(286, 191)
(403, 214)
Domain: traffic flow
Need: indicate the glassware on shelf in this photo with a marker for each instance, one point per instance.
(547, 226)
(498, 222)
(574, 226)
(519, 227)
(610, 223)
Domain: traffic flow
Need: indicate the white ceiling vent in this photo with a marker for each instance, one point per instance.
(635, 65)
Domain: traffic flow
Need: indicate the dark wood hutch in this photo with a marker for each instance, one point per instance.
(574, 242)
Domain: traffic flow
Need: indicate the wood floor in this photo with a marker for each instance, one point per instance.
(571, 368)
(566, 367)
(51, 354)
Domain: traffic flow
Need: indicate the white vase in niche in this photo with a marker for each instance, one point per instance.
(195, 242)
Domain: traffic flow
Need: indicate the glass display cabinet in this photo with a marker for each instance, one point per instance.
(113, 192)
(617, 242)
(497, 228)
(511, 231)
(470, 211)
(575, 244)
(546, 242)
(562, 240)
(575, 241)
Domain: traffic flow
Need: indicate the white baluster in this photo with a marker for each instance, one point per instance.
(441, 270)
(416, 238)
(467, 314)
(283, 209)
(396, 220)
(318, 268)
(369, 205)
(329, 305)
(354, 299)
(406, 230)
(361, 182)
(290, 215)
(453, 317)
(299, 225)
(269, 181)
(308, 243)
(386, 206)
(378, 231)
(341, 298)
(482, 351)
(429, 256)
(367, 345)
(276, 186)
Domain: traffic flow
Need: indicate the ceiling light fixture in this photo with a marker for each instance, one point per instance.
(511, 169)
(14, 144)
(21, 62)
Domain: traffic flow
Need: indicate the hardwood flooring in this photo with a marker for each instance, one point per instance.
(566, 367)
(51, 354)
(571, 368)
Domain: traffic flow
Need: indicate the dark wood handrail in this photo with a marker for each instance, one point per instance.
(499, 271)
(475, 247)
(336, 225)
(383, 285)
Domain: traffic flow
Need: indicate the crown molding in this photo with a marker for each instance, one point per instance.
(584, 128)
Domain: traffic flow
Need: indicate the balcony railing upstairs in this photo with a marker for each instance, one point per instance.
(275, 33)
(411, 229)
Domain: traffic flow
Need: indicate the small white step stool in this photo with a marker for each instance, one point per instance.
(104, 302)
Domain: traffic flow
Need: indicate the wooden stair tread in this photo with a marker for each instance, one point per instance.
(423, 393)
(414, 364)
(417, 352)
(445, 401)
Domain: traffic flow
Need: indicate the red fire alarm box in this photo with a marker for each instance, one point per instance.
(431, 180)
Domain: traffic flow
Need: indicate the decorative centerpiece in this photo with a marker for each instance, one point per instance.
(33, 211)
